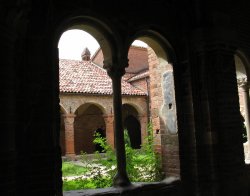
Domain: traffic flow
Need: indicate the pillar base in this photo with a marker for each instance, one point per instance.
(71, 156)
(121, 181)
(247, 158)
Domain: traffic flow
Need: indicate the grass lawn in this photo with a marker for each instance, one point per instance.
(70, 169)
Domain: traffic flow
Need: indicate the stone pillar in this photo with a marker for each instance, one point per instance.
(69, 135)
(109, 121)
(116, 72)
(217, 122)
(244, 86)
(143, 123)
(10, 115)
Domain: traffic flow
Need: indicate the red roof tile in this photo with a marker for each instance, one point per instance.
(85, 77)
(138, 76)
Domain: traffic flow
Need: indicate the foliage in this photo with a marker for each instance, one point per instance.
(244, 134)
(143, 165)
(71, 169)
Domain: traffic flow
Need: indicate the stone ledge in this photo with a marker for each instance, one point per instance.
(170, 186)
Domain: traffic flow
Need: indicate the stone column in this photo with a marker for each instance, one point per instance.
(69, 135)
(217, 122)
(109, 121)
(144, 123)
(244, 86)
(10, 115)
(116, 72)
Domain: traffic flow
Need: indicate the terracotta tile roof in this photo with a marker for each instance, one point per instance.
(138, 76)
(86, 77)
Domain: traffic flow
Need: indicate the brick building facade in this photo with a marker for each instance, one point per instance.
(156, 104)
(86, 99)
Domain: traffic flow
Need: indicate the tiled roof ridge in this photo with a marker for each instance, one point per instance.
(136, 46)
(132, 46)
(140, 75)
(95, 53)
(95, 80)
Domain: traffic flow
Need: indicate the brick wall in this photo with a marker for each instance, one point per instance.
(165, 142)
(93, 111)
(141, 84)
(137, 57)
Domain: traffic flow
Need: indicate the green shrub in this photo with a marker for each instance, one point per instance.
(143, 165)
(244, 134)
(70, 169)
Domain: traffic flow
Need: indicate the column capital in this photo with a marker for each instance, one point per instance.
(69, 118)
(243, 84)
(115, 68)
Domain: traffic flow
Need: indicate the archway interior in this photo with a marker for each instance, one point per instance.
(242, 80)
(132, 125)
(240, 68)
(72, 43)
(89, 118)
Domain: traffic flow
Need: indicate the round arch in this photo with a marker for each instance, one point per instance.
(137, 107)
(242, 68)
(104, 34)
(89, 118)
(63, 109)
(157, 42)
(162, 94)
(86, 105)
(242, 65)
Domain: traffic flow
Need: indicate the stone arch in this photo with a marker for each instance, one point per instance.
(89, 117)
(242, 64)
(242, 67)
(165, 59)
(163, 109)
(63, 109)
(129, 109)
(139, 109)
(98, 27)
(98, 105)
(156, 41)
(241, 76)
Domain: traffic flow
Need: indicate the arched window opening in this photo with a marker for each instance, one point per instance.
(132, 125)
(243, 92)
(157, 80)
(88, 120)
(92, 103)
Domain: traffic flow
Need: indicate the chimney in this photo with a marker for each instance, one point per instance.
(85, 54)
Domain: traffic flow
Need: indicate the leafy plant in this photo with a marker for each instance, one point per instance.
(143, 165)
(71, 169)
(244, 134)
